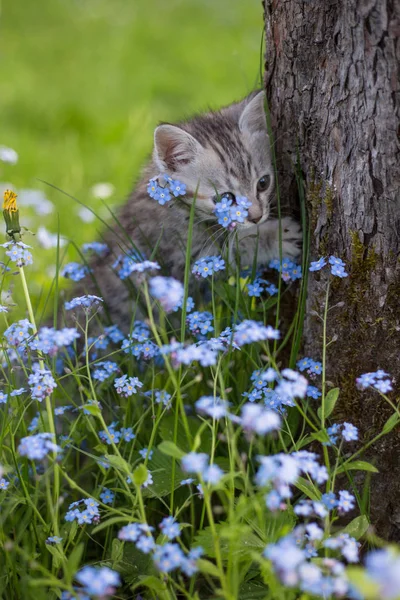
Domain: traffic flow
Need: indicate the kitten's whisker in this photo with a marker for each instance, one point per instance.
(213, 240)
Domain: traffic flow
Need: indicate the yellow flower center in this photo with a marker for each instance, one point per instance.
(10, 201)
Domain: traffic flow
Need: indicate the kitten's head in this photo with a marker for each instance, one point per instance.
(221, 152)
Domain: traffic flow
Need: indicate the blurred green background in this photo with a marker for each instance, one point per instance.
(83, 84)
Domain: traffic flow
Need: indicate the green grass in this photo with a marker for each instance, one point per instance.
(83, 84)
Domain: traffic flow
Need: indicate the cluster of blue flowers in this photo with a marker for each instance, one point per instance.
(86, 302)
(96, 248)
(259, 286)
(261, 382)
(249, 331)
(37, 447)
(19, 253)
(138, 343)
(291, 555)
(229, 212)
(313, 367)
(162, 397)
(200, 322)
(104, 369)
(114, 436)
(189, 305)
(287, 267)
(206, 351)
(19, 333)
(127, 386)
(207, 266)
(171, 188)
(100, 582)
(198, 463)
(383, 571)
(168, 291)
(214, 407)
(282, 471)
(85, 512)
(49, 340)
(336, 264)
(301, 559)
(133, 262)
(290, 559)
(348, 432)
(75, 271)
(379, 380)
(167, 557)
(41, 382)
(254, 418)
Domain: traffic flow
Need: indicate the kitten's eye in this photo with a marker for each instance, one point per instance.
(263, 183)
(228, 195)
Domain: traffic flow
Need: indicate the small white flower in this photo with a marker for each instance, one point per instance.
(8, 155)
(86, 215)
(36, 199)
(48, 240)
(102, 190)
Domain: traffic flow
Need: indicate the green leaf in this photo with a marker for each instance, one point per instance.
(117, 550)
(49, 582)
(359, 578)
(357, 527)
(167, 427)
(391, 423)
(140, 474)
(304, 442)
(357, 465)
(160, 467)
(330, 400)
(207, 567)
(307, 488)
(74, 560)
(101, 448)
(118, 463)
(110, 522)
(320, 436)
(239, 537)
(92, 409)
(57, 555)
(171, 449)
(151, 582)
(135, 564)
(253, 590)
(72, 532)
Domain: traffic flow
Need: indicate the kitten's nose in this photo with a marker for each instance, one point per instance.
(255, 213)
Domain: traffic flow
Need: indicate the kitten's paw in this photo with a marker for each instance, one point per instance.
(291, 238)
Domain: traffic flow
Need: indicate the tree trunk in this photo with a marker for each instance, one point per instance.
(332, 80)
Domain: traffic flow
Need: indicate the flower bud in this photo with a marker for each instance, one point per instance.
(11, 213)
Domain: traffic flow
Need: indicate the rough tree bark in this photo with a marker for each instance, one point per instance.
(332, 80)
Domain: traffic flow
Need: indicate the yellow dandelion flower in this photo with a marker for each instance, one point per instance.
(10, 201)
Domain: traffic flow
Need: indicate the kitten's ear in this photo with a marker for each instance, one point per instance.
(253, 118)
(173, 147)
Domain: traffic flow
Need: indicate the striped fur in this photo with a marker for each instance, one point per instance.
(216, 152)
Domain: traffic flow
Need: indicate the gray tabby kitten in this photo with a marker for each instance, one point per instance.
(227, 151)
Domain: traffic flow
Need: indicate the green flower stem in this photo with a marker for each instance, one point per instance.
(324, 345)
(99, 414)
(177, 384)
(109, 508)
(217, 548)
(49, 410)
